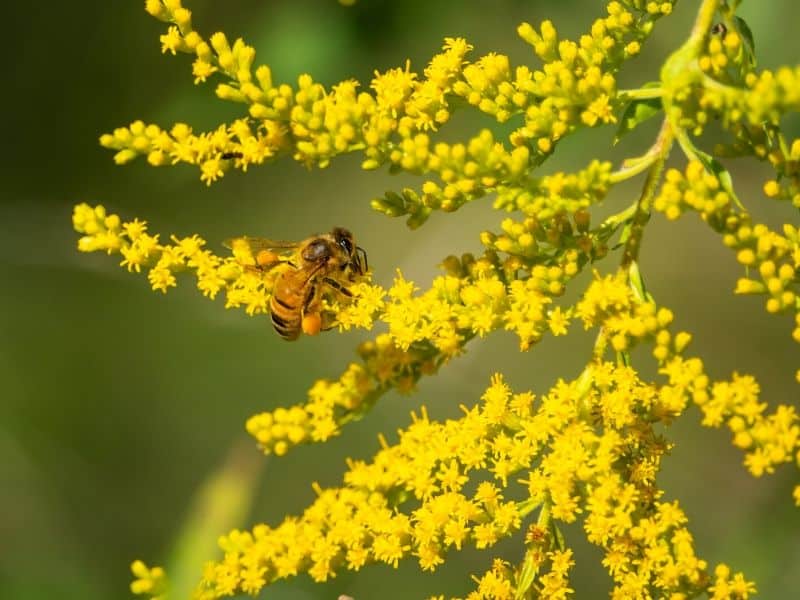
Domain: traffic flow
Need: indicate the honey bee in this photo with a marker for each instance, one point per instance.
(316, 262)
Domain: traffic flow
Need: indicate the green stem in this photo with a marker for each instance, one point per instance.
(544, 515)
(642, 214)
(526, 507)
(687, 146)
(684, 60)
(641, 93)
(637, 283)
(617, 219)
(702, 24)
(638, 165)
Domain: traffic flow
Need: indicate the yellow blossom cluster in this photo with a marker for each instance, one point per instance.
(726, 57)
(766, 98)
(695, 189)
(769, 439)
(628, 321)
(766, 254)
(588, 447)
(785, 159)
(475, 298)
(332, 403)
(557, 194)
(751, 105)
(723, 85)
(575, 86)
(585, 448)
(106, 232)
(500, 581)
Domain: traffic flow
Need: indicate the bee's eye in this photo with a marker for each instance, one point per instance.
(347, 245)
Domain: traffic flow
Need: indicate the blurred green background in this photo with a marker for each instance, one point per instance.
(123, 411)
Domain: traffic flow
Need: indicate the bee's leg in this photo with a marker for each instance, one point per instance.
(311, 297)
(338, 286)
(328, 321)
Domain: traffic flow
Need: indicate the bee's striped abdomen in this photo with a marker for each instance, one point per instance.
(285, 310)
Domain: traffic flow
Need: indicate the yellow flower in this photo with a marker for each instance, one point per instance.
(149, 582)
(558, 321)
(171, 41)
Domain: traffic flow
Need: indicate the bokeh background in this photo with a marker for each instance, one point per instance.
(122, 412)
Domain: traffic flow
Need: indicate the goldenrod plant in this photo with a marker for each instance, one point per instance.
(586, 451)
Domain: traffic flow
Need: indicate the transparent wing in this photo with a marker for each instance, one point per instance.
(260, 252)
(256, 244)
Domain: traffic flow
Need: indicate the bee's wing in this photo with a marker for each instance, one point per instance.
(256, 244)
(247, 251)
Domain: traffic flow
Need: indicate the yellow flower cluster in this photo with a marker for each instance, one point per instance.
(767, 97)
(425, 331)
(725, 57)
(769, 439)
(575, 86)
(774, 257)
(584, 446)
(786, 162)
(695, 189)
(751, 106)
(475, 298)
(106, 232)
(726, 586)
(724, 86)
(628, 321)
(501, 583)
(558, 193)
(333, 403)
(588, 448)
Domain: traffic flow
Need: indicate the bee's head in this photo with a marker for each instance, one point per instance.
(344, 240)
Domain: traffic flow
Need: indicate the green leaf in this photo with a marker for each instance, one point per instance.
(418, 217)
(625, 235)
(558, 537)
(527, 574)
(775, 141)
(636, 113)
(749, 43)
(712, 165)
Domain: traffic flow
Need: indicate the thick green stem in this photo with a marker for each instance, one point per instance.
(642, 214)
(679, 70)
(638, 165)
(702, 24)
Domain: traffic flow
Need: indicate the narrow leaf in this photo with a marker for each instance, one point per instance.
(712, 165)
(749, 43)
(558, 537)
